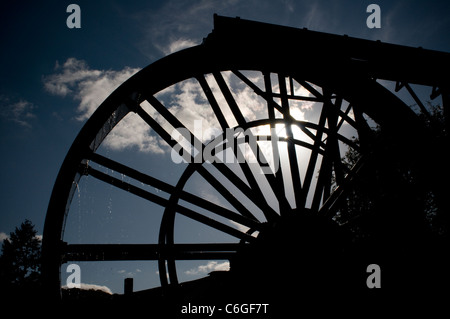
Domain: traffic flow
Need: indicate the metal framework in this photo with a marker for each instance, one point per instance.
(339, 74)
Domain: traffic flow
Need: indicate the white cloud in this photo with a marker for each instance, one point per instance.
(190, 105)
(178, 45)
(185, 100)
(131, 132)
(93, 287)
(209, 267)
(90, 87)
(240, 227)
(71, 73)
(211, 197)
(127, 273)
(289, 4)
(178, 21)
(3, 236)
(175, 23)
(20, 112)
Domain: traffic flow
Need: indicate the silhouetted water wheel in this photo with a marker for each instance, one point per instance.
(301, 115)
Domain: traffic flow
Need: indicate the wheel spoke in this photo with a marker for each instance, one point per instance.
(275, 180)
(292, 154)
(332, 156)
(312, 90)
(164, 202)
(271, 104)
(189, 197)
(213, 223)
(125, 186)
(344, 117)
(314, 155)
(279, 182)
(330, 205)
(333, 138)
(267, 210)
(213, 102)
(257, 197)
(201, 169)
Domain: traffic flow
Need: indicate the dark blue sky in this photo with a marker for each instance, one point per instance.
(42, 108)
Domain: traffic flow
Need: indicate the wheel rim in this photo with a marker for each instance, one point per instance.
(336, 99)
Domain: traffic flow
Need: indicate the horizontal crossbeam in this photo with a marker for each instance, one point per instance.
(373, 59)
(112, 252)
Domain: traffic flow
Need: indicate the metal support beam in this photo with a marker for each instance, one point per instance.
(103, 252)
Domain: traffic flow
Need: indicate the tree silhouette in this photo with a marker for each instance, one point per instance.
(389, 179)
(397, 213)
(21, 259)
